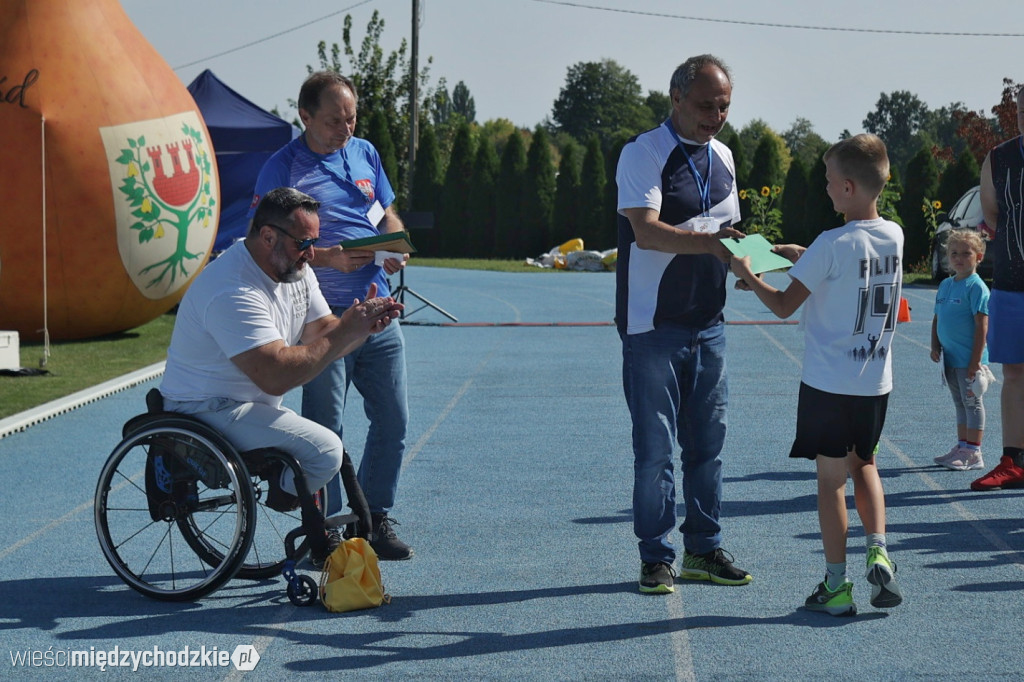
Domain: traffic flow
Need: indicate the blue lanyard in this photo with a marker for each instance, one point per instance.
(346, 180)
(703, 184)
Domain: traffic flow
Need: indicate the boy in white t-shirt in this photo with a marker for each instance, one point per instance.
(850, 278)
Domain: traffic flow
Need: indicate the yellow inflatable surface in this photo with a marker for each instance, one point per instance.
(107, 176)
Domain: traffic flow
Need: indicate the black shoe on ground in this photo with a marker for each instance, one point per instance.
(277, 498)
(657, 578)
(715, 566)
(385, 542)
(333, 540)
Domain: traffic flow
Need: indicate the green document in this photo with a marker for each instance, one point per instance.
(762, 258)
(397, 242)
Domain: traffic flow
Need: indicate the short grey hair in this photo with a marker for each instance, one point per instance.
(278, 206)
(687, 72)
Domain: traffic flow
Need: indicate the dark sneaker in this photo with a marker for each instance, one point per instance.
(838, 603)
(1005, 475)
(715, 566)
(881, 573)
(657, 578)
(333, 540)
(278, 499)
(385, 542)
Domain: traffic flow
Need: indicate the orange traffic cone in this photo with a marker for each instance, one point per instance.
(904, 314)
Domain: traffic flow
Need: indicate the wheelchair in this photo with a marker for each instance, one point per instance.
(179, 511)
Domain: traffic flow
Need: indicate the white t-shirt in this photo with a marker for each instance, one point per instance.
(232, 307)
(854, 274)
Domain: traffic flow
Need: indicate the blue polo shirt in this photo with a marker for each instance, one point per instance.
(653, 287)
(346, 183)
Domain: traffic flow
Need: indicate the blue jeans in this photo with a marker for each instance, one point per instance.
(377, 370)
(675, 384)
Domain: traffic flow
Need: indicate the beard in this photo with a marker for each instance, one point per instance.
(286, 269)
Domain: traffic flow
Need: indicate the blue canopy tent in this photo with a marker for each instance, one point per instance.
(244, 136)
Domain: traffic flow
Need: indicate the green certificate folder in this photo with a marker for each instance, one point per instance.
(762, 258)
(396, 242)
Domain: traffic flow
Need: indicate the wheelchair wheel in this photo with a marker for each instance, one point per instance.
(168, 484)
(267, 555)
(303, 591)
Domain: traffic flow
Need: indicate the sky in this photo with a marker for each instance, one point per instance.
(788, 61)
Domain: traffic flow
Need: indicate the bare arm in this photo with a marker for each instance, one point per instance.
(352, 259)
(989, 202)
(276, 367)
(781, 303)
(654, 235)
(936, 352)
(392, 223)
(790, 251)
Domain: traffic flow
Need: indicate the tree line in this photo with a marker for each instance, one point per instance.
(499, 191)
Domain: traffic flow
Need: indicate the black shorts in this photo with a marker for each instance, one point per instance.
(831, 424)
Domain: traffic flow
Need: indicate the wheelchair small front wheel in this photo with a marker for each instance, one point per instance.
(303, 591)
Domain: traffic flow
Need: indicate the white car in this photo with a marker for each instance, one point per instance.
(966, 213)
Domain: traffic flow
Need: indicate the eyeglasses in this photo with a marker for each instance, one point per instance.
(300, 244)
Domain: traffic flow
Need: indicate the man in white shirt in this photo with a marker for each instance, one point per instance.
(254, 325)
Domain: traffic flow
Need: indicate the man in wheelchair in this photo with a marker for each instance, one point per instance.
(254, 325)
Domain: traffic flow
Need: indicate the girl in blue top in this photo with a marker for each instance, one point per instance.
(958, 340)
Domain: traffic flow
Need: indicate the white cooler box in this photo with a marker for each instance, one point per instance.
(9, 352)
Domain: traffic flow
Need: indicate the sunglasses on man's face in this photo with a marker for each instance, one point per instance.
(300, 244)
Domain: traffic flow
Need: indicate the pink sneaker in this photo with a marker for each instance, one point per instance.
(966, 460)
(949, 456)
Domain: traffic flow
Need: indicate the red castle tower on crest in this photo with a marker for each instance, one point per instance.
(179, 188)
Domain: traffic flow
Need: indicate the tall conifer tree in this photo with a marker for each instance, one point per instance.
(538, 194)
(510, 193)
(455, 219)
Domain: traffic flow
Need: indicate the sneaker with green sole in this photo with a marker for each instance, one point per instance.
(656, 578)
(715, 566)
(837, 603)
(881, 573)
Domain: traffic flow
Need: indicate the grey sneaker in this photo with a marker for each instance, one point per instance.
(385, 541)
(715, 566)
(658, 578)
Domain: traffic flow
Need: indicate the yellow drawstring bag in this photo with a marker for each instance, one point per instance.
(351, 578)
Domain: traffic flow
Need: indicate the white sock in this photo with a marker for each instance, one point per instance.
(835, 575)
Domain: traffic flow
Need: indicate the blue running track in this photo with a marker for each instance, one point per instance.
(516, 497)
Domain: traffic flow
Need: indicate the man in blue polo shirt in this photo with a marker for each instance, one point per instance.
(344, 174)
(677, 201)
